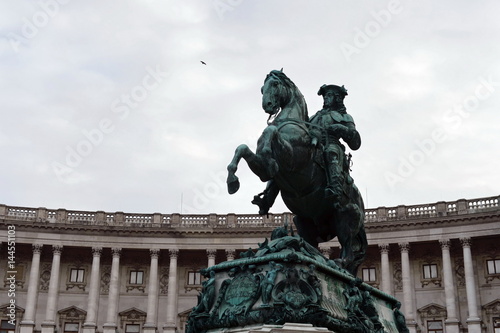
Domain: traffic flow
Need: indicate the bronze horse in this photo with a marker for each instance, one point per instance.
(286, 156)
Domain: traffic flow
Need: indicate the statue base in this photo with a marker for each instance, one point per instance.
(288, 282)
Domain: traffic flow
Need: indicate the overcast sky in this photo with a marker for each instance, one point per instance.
(106, 106)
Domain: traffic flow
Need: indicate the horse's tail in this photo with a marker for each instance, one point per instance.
(359, 246)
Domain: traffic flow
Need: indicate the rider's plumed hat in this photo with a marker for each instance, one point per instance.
(336, 89)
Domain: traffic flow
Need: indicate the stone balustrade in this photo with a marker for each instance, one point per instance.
(373, 215)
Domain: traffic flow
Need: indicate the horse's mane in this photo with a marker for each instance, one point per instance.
(291, 87)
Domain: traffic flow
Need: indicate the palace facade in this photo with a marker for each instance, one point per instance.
(88, 272)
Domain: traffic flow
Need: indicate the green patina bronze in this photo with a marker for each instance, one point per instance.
(287, 280)
(304, 160)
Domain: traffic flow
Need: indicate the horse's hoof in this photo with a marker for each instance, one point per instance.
(233, 184)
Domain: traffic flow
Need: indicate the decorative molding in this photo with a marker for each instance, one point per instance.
(79, 285)
(136, 286)
(404, 247)
(45, 277)
(211, 253)
(466, 241)
(326, 251)
(384, 248)
(173, 253)
(154, 253)
(460, 272)
(116, 252)
(398, 277)
(105, 279)
(230, 253)
(445, 244)
(428, 281)
(132, 316)
(96, 251)
(432, 312)
(57, 249)
(163, 281)
(71, 314)
(37, 248)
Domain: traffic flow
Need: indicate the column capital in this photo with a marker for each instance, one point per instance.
(96, 251)
(325, 251)
(211, 253)
(465, 241)
(173, 253)
(37, 248)
(230, 254)
(155, 253)
(404, 247)
(384, 248)
(116, 252)
(445, 244)
(57, 249)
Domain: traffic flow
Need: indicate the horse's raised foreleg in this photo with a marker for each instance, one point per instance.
(233, 184)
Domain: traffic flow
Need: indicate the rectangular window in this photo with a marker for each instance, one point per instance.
(136, 277)
(430, 271)
(71, 327)
(194, 278)
(435, 326)
(493, 266)
(496, 325)
(369, 274)
(6, 327)
(76, 275)
(132, 328)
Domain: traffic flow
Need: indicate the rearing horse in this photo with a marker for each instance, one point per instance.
(287, 157)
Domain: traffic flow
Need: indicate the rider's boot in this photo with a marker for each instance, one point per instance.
(334, 189)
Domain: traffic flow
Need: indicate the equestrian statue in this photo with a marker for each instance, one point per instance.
(305, 160)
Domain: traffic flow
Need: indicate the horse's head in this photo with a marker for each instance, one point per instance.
(276, 91)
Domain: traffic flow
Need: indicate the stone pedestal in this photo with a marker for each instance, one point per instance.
(288, 281)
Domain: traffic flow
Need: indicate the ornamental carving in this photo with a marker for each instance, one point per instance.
(71, 314)
(163, 281)
(132, 316)
(105, 279)
(398, 277)
(432, 311)
(460, 272)
(45, 276)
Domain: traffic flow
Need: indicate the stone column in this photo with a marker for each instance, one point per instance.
(451, 322)
(211, 253)
(326, 251)
(171, 324)
(385, 270)
(113, 295)
(28, 322)
(150, 325)
(89, 326)
(49, 324)
(408, 309)
(230, 254)
(473, 321)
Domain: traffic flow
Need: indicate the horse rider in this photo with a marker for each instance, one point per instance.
(329, 125)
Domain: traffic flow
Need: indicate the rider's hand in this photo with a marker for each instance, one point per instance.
(337, 130)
